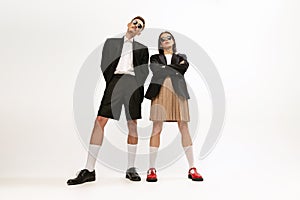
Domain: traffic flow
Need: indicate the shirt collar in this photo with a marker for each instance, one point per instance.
(126, 39)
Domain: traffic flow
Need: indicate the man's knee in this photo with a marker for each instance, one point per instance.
(132, 124)
(101, 120)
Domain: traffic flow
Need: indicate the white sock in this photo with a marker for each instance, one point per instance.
(189, 155)
(131, 154)
(92, 156)
(152, 156)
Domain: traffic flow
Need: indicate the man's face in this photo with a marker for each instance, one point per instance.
(135, 27)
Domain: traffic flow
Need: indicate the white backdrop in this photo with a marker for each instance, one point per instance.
(254, 44)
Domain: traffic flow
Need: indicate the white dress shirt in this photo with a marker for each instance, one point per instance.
(169, 58)
(125, 65)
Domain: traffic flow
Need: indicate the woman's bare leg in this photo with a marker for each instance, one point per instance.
(186, 142)
(154, 142)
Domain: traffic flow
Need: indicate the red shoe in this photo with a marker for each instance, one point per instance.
(151, 175)
(194, 175)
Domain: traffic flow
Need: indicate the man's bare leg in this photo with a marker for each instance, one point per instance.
(132, 141)
(88, 174)
(95, 142)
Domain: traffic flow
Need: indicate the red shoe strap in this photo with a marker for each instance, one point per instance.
(151, 171)
(194, 170)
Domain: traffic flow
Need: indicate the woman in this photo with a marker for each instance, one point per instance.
(168, 94)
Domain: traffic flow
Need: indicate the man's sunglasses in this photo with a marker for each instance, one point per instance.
(135, 22)
(162, 39)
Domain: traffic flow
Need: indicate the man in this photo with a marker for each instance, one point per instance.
(125, 68)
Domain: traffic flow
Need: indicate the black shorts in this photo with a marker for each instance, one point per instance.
(121, 90)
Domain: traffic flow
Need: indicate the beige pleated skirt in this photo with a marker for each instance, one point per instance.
(168, 106)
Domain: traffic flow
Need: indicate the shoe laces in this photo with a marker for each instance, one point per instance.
(133, 169)
(77, 173)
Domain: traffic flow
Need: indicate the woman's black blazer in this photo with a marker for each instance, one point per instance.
(160, 70)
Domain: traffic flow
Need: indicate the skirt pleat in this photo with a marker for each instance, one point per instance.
(168, 106)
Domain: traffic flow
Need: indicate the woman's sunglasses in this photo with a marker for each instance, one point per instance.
(162, 39)
(135, 22)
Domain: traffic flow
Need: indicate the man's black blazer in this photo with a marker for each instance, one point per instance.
(160, 70)
(111, 54)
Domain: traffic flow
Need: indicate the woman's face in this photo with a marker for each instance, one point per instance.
(166, 41)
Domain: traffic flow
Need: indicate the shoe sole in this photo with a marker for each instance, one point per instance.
(89, 180)
(151, 180)
(195, 179)
(132, 179)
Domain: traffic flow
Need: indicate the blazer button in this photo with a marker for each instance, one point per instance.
(177, 73)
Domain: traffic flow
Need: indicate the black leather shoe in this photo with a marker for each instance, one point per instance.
(132, 175)
(83, 176)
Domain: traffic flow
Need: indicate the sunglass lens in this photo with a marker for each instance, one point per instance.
(165, 38)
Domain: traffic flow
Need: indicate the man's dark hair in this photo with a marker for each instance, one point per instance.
(140, 18)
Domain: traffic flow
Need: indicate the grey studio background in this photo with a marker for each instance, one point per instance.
(254, 45)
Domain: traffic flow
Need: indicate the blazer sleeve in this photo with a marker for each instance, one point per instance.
(181, 68)
(145, 62)
(105, 60)
(142, 70)
(157, 68)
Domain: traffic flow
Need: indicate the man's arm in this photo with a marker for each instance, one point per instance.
(145, 67)
(105, 60)
(142, 70)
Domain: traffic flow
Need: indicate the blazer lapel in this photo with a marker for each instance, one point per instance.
(174, 59)
(119, 47)
(134, 54)
(163, 59)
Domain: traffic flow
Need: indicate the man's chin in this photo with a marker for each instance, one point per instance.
(131, 32)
